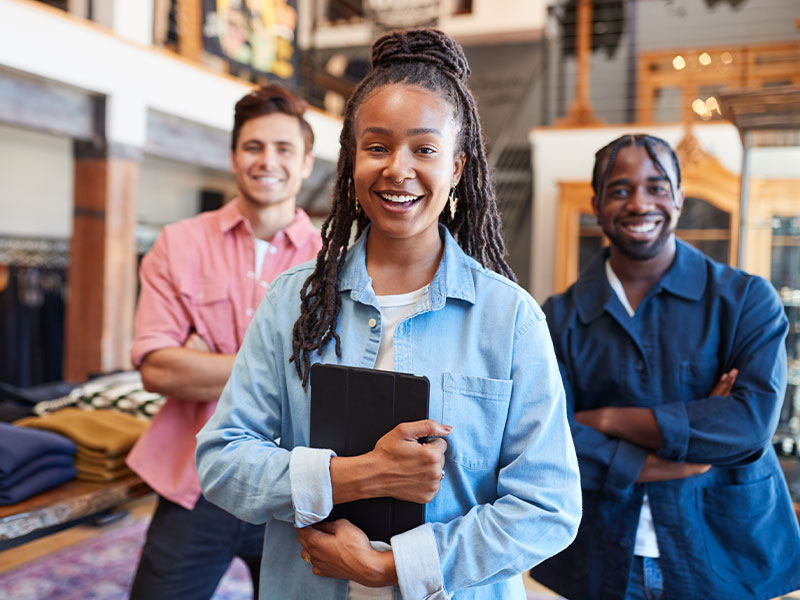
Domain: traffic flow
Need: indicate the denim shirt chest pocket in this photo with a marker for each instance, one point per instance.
(211, 308)
(477, 409)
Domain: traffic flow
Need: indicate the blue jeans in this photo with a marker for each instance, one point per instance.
(645, 581)
(188, 551)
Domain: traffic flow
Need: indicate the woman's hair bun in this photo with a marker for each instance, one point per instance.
(421, 46)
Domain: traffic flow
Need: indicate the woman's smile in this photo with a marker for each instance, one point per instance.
(398, 201)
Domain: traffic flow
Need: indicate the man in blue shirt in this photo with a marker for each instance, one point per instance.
(675, 369)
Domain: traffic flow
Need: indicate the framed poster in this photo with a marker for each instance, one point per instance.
(255, 37)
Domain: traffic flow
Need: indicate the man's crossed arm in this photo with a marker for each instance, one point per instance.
(190, 372)
(638, 425)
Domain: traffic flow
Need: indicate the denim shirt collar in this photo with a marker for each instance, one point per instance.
(686, 278)
(453, 277)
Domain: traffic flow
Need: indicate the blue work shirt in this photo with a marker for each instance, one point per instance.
(511, 495)
(728, 533)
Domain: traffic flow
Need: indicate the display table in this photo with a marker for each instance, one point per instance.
(63, 506)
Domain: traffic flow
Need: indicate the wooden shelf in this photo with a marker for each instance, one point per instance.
(63, 506)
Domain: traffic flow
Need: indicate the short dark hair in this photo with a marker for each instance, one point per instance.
(266, 100)
(650, 143)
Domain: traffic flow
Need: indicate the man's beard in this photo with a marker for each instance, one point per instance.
(641, 250)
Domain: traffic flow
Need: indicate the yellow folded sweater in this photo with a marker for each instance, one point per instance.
(104, 432)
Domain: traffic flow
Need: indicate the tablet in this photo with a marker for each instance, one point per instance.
(351, 409)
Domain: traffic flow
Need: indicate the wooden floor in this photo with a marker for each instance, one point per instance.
(10, 559)
(15, 557)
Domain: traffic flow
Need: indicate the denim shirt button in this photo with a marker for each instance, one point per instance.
(372, 322)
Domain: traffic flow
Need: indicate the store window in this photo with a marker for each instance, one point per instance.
(706, 227)
(785, 276)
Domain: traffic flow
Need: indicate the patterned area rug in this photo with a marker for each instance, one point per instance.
(101, 569)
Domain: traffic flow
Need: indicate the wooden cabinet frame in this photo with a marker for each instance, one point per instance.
(747, 67)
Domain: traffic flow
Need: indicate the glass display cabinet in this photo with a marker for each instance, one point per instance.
(768, 120)
(785, 276)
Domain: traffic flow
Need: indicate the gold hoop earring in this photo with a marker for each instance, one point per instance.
(453, 202)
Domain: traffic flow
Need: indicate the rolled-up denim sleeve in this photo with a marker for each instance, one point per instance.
(312, 493)
(673, 421)
(416, 560)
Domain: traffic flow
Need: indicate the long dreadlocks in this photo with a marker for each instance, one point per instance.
(432, 60)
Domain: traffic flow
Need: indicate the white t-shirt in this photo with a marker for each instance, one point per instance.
(261, 247)
(394, 310)
(646, 542)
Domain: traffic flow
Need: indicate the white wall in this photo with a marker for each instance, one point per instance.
(170, 191)
(133, 76)
(36, 178)
(35, 184)
(775, 163)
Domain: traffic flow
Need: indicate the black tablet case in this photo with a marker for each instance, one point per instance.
(351, 409)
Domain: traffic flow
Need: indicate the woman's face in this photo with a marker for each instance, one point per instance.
(405, 160)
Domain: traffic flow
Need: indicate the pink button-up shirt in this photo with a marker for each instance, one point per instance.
(200, 276)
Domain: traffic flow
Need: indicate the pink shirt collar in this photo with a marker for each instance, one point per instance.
(297, 233)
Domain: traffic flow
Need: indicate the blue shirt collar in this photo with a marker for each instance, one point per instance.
(686, 278)
(453, 277)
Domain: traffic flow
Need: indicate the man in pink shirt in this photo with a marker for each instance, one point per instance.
(200, 285)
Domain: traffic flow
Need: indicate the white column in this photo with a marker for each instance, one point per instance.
(130, 19)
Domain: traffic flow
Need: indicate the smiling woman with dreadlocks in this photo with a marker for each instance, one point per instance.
(424, 289)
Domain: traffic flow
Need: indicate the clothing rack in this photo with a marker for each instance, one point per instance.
(48, 253)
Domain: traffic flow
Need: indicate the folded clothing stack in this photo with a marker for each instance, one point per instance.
(121, 392)
(103, 438)
(32, 461)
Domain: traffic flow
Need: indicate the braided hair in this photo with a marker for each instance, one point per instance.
(432, 60)
(650, 143)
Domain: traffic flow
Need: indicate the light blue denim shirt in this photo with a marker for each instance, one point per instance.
(511, 494)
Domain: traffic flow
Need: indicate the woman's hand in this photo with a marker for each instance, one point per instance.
(410, 470)
(340, 549)
(398, 467)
